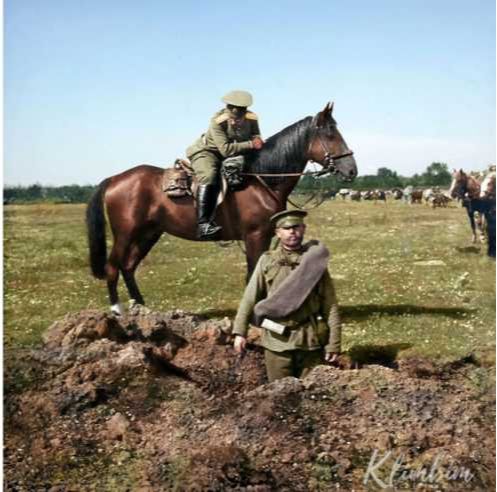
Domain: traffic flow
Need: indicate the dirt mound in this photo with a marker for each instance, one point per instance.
(159, 401)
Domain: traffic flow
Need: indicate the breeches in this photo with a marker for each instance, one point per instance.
(207, 167)
(296, 363)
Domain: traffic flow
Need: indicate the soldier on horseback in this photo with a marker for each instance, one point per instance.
(233, 131)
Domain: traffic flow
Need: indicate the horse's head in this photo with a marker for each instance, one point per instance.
(463, 185)
(328, 148)
(459, 184)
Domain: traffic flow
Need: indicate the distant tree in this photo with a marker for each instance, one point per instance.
(385, 173)
(34, 192)
(53, 194)
(437, 174)
(416, 180)
(388, 178)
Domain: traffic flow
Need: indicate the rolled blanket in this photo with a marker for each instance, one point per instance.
(295, 289)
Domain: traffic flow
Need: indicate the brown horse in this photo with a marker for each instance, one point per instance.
(138, 211)
(466, 188)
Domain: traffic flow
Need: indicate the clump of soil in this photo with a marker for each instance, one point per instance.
(160, 401)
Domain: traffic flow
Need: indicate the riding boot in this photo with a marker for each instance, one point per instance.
(206, 205)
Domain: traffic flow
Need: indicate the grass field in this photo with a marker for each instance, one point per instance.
(408, 279)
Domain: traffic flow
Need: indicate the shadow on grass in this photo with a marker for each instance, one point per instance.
(362, 311)
(468, 249)
(384, 355)
(218, 313)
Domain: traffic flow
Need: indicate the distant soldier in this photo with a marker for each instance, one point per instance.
(232, 131)
(293, 298)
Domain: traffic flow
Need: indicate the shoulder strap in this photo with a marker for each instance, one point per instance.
(295, 289)
(250, 116)
(221, 117)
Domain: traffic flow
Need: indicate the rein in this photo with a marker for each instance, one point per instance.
(268, 189)
(267, 175)
(327, 164)
(276, 197)
(328, 167)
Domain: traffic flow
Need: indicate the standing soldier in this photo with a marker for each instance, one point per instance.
(232, 131)
(293, 298)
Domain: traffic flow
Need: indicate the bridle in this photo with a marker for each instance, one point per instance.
(329, 159)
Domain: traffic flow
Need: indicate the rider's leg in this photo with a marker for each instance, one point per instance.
(206, 166)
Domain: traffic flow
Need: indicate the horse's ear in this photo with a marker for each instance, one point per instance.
(320, 118)
(328, 109)
(323, 116)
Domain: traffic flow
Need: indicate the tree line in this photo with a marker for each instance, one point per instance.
(436, 174)
(47, 194)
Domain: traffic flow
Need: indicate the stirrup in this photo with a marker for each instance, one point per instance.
(207, 231)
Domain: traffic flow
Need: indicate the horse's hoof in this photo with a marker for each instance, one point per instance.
(116, 309)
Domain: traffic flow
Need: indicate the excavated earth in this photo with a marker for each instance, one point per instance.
(159, 401)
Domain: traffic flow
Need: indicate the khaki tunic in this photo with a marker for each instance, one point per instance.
(226, 137)
(305, 331)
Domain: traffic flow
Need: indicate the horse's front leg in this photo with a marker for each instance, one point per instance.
(471, 216)
(256, 242)
(482, 227)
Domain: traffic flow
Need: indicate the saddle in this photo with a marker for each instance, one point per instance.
(180, 181)
(177, 182)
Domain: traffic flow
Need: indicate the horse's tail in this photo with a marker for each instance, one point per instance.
(95, 224)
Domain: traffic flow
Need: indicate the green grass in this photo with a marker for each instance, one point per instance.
(391, 297)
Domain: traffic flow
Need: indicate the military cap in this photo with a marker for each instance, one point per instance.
(288, 218)
(238, 98)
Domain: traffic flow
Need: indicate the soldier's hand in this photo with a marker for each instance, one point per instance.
(257, 143)
(240, 344)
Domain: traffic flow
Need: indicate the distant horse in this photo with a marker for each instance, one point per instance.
(439, 200)
(428, 194)
(467, 189)
(416, 196)
(139, 212)
(379, 195)
(374, 195)
(397, 193)
(344, 192)
(330, 195)
(355, 196)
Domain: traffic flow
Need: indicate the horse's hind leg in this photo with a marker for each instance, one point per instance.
(112, 274)
(112, 268)
(137, 251)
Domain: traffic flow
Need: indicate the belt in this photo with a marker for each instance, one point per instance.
(317, 317)
(276, 327)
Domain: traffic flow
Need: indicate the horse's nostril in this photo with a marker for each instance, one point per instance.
(352, 173)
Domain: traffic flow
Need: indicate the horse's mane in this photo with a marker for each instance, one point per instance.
(284, 152)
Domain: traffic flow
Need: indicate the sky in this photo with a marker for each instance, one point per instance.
(93, 88)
